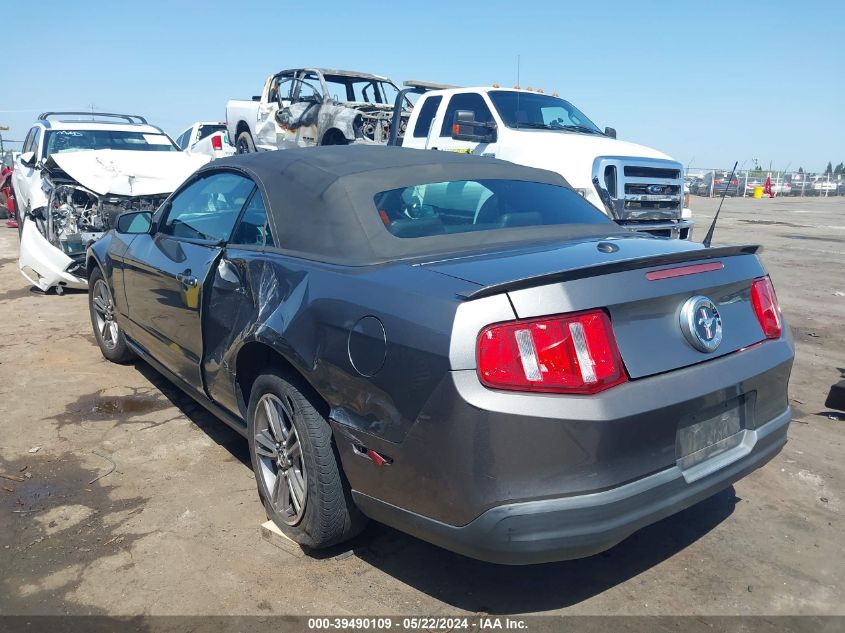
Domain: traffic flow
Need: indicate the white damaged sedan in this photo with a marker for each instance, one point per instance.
(75, 177)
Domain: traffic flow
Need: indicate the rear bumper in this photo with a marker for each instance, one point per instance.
(582, 525)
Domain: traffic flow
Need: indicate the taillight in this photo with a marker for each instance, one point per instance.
(765, 303)
(570, 353)
(217, 142)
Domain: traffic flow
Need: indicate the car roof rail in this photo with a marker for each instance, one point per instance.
(130, 118)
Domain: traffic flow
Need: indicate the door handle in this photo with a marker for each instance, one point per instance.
(187, 280)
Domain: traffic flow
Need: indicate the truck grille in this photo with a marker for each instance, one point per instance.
(642, 189)
(652, 172)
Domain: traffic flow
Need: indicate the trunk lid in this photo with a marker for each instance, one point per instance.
(611, 274)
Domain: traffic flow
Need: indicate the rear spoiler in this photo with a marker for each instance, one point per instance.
(613, 267)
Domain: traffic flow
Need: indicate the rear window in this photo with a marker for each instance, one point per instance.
(461, 206)
(208, 130)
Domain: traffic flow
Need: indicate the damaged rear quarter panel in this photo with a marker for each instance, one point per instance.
(305, 312)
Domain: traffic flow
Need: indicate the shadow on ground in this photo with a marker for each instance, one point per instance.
(497, 589)
(226, 437)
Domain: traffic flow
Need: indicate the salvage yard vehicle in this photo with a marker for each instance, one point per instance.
(636, 186)
(78, 171)
(719, 183)
(459, 347)
(315, 106)
(206, 138)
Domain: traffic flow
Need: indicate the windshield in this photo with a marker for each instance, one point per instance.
(58, 141)
(534, 110)
(460, 206)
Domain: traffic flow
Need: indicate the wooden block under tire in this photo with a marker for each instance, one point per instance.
(271, 533)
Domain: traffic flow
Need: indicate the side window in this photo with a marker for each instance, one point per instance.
(465, 101)
(308, 88)
(280, 88)
(252, 228)
(426, 115)
(182, 141)
(28, 141)
(36, 141)
(208, 208)
(268, 236)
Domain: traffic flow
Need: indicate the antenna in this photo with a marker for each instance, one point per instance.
(518, 85)
(709, 237)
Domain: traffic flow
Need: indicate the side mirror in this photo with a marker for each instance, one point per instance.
(466, 128)
(134, 223)
(28, 159)
(609, 131)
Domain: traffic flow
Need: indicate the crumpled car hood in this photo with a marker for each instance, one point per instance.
(128, 172)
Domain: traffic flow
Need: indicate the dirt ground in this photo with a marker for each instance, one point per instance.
(134, 500)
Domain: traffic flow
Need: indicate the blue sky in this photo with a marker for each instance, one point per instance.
(706, 82)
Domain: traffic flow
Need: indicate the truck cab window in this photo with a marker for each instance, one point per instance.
(426, 116)
(465, 101)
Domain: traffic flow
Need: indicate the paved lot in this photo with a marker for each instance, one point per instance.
(174, 528)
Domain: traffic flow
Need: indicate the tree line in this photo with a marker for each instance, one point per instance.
(830, 169)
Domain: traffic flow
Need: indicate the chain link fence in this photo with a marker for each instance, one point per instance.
(712, 183)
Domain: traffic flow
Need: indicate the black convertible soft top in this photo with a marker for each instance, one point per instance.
(321, 200)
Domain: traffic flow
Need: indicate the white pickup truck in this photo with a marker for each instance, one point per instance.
(303, 107)
(636, 186)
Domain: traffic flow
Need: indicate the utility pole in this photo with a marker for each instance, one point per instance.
(3, 128)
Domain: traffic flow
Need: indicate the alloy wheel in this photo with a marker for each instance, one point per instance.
(279, 453)
(104, 314)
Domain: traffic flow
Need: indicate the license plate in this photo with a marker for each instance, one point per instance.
(702, 440)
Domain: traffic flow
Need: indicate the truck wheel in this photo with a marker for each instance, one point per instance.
(108, 333)
(244, 143)
(334, 137)
(299, 478)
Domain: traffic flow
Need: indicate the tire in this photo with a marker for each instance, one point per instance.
(18, 215)
(244, 143)
(108, 333)
(334, 137)
(325, 513)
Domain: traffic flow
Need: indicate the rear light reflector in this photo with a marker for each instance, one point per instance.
(668, 273)
(217, 142)
(570, 353)
(765, 303)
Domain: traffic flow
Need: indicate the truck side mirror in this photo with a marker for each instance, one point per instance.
(609, 131)
(466, 128)
(28, 159)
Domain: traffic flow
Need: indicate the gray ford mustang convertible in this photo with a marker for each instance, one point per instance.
(456, 346)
